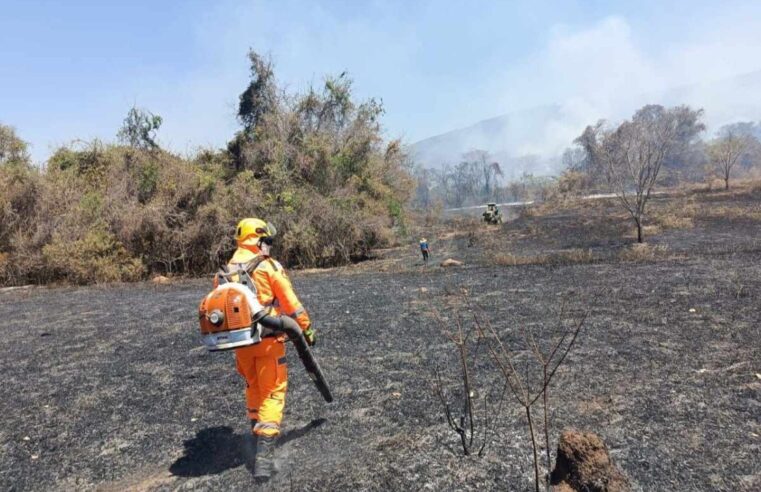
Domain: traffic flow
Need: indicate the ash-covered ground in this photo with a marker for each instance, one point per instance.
(107, 387)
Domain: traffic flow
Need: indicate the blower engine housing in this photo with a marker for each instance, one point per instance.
(228, 316)
(232, 317)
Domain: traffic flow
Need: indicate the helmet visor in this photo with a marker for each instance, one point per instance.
(252, 237)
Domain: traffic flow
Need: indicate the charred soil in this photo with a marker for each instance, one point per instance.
(106, 387)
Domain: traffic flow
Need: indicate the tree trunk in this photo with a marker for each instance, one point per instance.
(533, 447)
(639, 229)
(726, 183)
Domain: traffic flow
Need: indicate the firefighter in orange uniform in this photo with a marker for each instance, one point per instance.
(264, 365)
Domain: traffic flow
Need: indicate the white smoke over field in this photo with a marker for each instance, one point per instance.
(603, 72)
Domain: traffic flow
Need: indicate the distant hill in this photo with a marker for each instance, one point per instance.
(532, 140)
(508, 138)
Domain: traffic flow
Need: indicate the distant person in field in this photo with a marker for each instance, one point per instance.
(424, 249)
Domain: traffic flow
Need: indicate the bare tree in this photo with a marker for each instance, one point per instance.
(465, 182)
(728, 149)
(423, 183)
(446, 185)
(520, 382)
(473, 431)
(480, 162)
(525, 369)
(632, 154)
(476, 178)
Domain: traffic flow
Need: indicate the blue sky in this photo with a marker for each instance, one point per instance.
(71, 70)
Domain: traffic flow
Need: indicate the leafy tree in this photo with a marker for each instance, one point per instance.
(260, 97)
(12, 148)
(139, 129)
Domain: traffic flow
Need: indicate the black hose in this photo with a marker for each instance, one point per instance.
(288, 326)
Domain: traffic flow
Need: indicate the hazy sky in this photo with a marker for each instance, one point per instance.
(72, 69)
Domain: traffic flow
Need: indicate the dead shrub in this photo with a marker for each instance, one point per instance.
(572, 183)
(19, 190)
(315, 164)
(4, 264)
(97, 257)
(461, 394)
(543, 354)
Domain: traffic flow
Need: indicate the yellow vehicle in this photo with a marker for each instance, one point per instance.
(492, 214)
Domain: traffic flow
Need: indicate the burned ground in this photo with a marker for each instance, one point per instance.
(106, 387)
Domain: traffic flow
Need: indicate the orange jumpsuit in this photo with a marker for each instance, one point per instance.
(264, 365)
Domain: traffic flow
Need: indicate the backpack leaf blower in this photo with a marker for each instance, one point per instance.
(232, 317)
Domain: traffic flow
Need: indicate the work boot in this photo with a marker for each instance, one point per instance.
(264, 463)
(249, 448)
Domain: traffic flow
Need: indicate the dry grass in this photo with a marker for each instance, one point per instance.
(640, 252)
(732, 212)
(512, 260)
(560, 203)
(695, 202)
(551, 206)
(678, 213)
(568, 257)
(715, 187)
(675, 222)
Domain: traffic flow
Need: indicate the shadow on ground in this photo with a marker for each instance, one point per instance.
(217, 449)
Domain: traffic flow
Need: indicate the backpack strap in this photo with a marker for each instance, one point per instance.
(243, 272)
(223, 275)
(252, 265)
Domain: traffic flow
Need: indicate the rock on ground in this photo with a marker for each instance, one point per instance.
(583, 464)
(449, 262)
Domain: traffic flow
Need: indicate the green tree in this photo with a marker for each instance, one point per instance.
(139, 129)
(12, 148)
(260, 97)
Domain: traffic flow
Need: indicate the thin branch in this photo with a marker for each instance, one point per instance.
(510, 374)
(564, 354)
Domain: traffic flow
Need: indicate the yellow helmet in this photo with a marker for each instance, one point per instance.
(250, 231)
